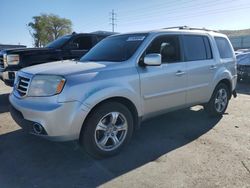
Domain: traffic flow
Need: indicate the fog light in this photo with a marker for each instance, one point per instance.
(37, 128)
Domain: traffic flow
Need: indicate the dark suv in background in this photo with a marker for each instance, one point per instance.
(71, 46)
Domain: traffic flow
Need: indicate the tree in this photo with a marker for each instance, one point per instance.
(48, 27)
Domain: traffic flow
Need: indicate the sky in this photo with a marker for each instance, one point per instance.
(131, 15)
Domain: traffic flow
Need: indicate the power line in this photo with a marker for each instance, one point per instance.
(156, 6)
(170, 10)
(113, 19)
(170, 17)
(154, 9)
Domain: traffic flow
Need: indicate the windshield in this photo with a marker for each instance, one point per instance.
(58, 42)
(117, 48)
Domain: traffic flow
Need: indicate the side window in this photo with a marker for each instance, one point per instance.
(83, 43)
(168, 47)
(208, 48)
(224, 47)
(196, 48)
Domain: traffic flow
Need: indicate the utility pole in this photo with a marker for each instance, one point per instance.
(113, 19)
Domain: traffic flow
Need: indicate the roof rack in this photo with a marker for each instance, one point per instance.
(189, 28)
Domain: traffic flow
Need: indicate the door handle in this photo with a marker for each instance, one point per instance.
(212, 67)
(180, 73)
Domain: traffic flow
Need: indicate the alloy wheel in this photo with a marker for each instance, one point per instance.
(111, 131)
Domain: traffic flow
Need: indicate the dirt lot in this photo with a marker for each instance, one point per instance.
(180, 149)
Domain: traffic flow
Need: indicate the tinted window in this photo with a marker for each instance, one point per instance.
(224, 47)
(99, 38)
(58, 43)
(83, 43)
(116, 48)
(196, 48)
(168, 47)
(208, 48)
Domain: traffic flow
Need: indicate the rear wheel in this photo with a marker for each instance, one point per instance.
(219, 100)
(107, 130)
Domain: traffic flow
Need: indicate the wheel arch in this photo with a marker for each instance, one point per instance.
(228, 83)
(223, 75)
(123, 100)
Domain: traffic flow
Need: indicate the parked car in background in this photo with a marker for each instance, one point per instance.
(71, 46)
(241, 51)
(245, 50)
(243, 66)
(122, 81)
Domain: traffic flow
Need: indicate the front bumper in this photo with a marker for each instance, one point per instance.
(243, 74)
(25, 124)
(60, 121)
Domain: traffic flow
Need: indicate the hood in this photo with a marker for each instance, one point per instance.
(25, 50)
(65, 68)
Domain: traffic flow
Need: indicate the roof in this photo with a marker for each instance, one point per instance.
(100, 33)
(104, 33)
(181, 30)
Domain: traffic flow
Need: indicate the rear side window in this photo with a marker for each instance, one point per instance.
(196, 48)
(224, 47)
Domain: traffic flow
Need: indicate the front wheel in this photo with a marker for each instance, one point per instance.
(107, 130)
(219, 100)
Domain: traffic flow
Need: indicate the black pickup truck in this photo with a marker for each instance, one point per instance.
(71, 46)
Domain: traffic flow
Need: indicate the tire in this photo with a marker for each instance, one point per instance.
(102, 137)
(218, 103)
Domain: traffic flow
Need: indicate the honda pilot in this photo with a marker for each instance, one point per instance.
(125, 79)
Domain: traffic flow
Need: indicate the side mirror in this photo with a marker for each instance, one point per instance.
(152, 59)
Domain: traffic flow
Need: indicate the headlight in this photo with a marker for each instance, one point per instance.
(5, 60)
(46, 85)
(12, 59)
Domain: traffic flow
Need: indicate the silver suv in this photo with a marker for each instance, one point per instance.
(122, 81)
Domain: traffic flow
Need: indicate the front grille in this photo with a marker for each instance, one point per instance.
(1, 62)
(247, 68)
(22, 86)
(244, 68)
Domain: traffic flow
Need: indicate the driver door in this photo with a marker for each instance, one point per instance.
(164, 87)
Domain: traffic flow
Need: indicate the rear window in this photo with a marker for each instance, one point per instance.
(196, 48)
(224, 47)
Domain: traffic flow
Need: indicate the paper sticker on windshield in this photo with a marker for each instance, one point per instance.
(136, 38)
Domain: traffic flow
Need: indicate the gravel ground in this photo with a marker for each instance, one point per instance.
(180, 149)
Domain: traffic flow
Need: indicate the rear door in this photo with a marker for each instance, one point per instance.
(164, 87)
(201, 67)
